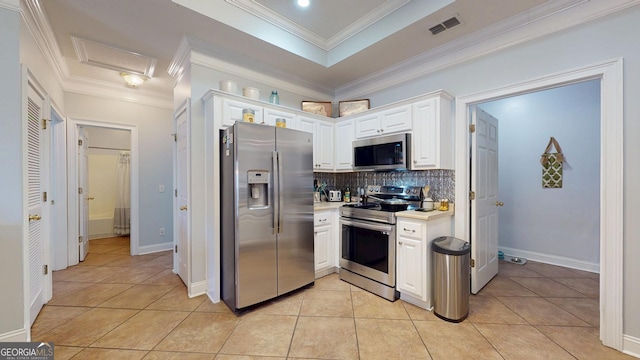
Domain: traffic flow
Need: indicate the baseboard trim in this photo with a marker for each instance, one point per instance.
(327, 271)
(102, 236)
(197, 288)
(212, 296)
(150, 249)
(552, 259)
(14, 336)
(631, 345)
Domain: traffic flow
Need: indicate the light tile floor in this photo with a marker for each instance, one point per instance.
(115, 306)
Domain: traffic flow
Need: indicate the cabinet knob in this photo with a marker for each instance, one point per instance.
(400, 243)
(415, 161)
(378, 130)
(381, 130)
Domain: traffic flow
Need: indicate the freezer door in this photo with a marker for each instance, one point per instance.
(295, 236)
(256, 261)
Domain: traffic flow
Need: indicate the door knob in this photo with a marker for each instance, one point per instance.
(90, 198)
(499, 203)
(34, 217)
(183, 207)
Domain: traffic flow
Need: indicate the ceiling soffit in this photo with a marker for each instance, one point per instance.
(257, 19)
(311, 24)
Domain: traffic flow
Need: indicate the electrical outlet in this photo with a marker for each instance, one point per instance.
(161, 232)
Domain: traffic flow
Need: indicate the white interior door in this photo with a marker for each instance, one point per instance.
(182, 195)
(484, 209)
(36, 201)
(83, 193)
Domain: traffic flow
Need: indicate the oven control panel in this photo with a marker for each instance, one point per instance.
(393, 190)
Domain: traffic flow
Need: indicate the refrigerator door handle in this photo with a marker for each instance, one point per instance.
(276, 191)
(280, 195)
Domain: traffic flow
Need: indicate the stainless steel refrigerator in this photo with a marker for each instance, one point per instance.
(266, 212)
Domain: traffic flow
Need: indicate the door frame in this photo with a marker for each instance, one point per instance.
(72, 188)
(610, 73)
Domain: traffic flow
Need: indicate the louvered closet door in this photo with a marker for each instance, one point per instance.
(35, 200)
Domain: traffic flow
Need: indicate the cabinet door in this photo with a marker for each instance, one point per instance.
(345, 134)
(271, 115)
(324, 145)
(426, 139)
(411, 270)
(232, 112)
(367, 125)
(395, 120)
(322, 247)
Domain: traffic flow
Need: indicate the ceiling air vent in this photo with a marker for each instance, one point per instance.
(447, 24)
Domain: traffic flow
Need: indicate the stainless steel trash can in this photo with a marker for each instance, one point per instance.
(451, 278)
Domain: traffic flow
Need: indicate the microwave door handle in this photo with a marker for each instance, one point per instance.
(275, 189)
(280, 194)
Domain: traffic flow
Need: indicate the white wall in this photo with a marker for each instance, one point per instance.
(610, 37)
(561, 222)
(12, 239)
(155, 156)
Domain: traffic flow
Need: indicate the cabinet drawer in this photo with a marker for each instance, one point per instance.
(410, 229)
(323, 218)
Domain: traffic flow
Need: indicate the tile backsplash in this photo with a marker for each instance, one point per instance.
(442, 182)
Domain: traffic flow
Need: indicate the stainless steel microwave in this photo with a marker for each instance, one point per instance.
(383, 153)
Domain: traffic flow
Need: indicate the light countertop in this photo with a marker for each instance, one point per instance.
(327, 205)
(424, 215)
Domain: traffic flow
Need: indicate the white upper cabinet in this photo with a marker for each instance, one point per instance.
(432, 141)
(232, 112)
(345, 134)
(322, 141)
(270, 116)
(393, 120)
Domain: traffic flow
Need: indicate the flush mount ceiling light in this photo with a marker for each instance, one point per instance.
(303, 3)
(133, 80)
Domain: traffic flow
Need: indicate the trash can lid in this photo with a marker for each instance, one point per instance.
(450, 246)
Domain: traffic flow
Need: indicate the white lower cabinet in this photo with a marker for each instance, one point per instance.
(414, 258)
(325, 241)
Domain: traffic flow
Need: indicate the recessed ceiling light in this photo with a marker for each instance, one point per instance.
(303, 3)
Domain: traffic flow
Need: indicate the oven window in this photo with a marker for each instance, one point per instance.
(366, 247)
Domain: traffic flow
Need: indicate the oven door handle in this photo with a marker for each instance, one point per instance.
(367, 225)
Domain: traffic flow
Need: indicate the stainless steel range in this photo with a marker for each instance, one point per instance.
(368, 235)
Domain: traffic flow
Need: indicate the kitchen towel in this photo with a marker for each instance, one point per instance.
(552, 165)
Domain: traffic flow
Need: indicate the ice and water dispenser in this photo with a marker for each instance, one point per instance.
(258, 181)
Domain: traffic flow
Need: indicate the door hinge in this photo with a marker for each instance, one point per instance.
(472, 128)
(176, 248)
(79, 190)
(80, 142)
(175, 137)
(472, 263)
(472, 195)
(45, 269)
(79, 239)
(44, 196)
(44, 124)
(176, 192)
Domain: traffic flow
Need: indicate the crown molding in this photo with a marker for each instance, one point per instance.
(543, 20)
(189, 52)
(109, 90)
(295, 86)
(13, 5)
(275, 19)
